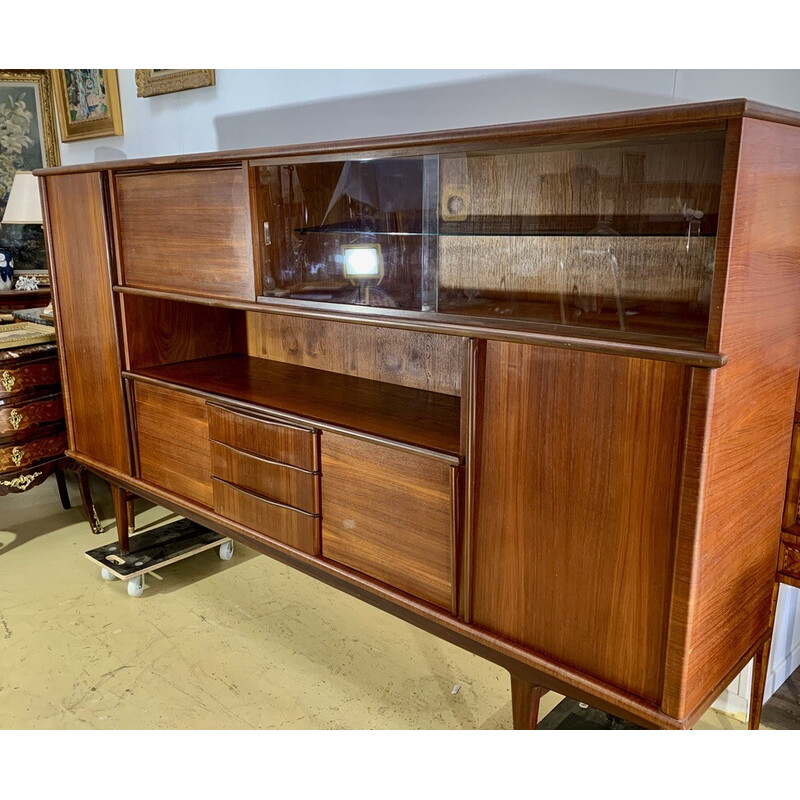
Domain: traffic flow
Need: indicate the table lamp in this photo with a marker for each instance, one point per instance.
(23, 208)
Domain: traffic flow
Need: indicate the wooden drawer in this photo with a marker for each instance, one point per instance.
(21, 417)
(24, 454)
(186, 231)
(266, 518)
(28, 377)
(277, 441)
(172, 434)
(291, 486)
(391, 515)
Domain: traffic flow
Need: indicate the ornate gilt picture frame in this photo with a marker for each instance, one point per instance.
(88, 103)
(28, 141)
(151, 82)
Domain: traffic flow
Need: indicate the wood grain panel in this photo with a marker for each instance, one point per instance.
(271, 439)
(85, 316)
(389, 515)
(174, 451)
(575, 507)
(287, 525)
(407, 358)
(186, 230)
(285, 484)
(645, 268)
(158, 331)
(727, 554)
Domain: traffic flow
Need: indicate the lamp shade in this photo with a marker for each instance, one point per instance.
(24, 206)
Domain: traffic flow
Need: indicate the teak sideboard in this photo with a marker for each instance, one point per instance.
(529, 387)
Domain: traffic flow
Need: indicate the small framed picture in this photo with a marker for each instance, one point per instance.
(88, 103)
(150, 82)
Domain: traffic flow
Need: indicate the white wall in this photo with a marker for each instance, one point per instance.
(257, 108)
(254, 108)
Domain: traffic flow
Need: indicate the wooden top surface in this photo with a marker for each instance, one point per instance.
(410, 416)
(717, 111)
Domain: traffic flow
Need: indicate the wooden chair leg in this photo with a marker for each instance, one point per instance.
(86, 499)
(62, 487)
(525, 699)
(119, 496)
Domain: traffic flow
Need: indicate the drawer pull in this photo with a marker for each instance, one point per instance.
(15, 418)
(8, 380)
(21, 482)
(16, 456)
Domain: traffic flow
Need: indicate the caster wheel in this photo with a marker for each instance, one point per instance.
(226, 551)
(136, 586)
(106, 575)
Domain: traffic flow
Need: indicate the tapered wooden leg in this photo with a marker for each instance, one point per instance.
(760, 665)
(88, 503)
(131, 502)
(525, 699)
(760, 662)
(62, 487)
(120, 498)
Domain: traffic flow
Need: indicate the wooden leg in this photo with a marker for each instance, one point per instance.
(760, 665)
(88, 503)
(131, 502)
(760, 662)
(121, 513)
(62, 486)
(525, 699)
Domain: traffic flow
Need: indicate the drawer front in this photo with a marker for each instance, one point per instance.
(287, 525)
(390, 514)
(791, 506)
(277, 441)
(24, 454)
(291, 486)
(27, 377)
(172, 435)
(186, 231)
(22, 417)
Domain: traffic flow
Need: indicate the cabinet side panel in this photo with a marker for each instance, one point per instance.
(727, 561)
(89, 351)
(576, 505)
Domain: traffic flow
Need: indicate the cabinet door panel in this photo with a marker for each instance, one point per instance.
(576, 504)
(87, 333)
(174, 451)
(388, 514)
(186, 231)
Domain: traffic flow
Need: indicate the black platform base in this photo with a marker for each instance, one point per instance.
(156, 548)
(569, 715)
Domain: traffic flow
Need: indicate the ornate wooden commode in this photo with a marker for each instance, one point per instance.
(529, 387)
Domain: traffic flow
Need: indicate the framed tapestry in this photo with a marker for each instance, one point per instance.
(88, 103)
(150, 82)
(28, 141)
